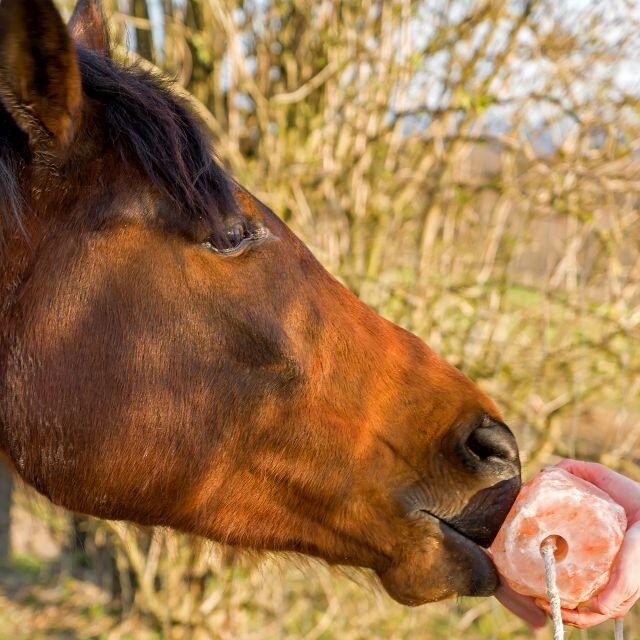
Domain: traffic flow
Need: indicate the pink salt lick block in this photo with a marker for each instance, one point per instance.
(588, 527)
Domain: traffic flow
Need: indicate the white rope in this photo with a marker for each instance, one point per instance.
(547, 549)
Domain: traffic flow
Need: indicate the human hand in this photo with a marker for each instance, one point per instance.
(623, 589)
(524, 607)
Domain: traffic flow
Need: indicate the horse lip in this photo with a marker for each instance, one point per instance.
(426, 514)
(480, 519)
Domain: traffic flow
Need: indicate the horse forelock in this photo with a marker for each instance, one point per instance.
(146, 127)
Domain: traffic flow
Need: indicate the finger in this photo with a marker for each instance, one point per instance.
(580, 619)
(593, 472)
(584, 618)
(522, 606)
(623, 490)
(627, 606)
(616, 611)
(624, 584)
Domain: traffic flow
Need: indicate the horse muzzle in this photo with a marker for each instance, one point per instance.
(450, 515)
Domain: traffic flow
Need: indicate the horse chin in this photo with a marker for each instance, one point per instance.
(436, 562)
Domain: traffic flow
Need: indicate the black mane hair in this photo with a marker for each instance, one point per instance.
(148, 126)
(13, 149)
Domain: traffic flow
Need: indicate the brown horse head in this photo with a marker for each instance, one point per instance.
(172, 354)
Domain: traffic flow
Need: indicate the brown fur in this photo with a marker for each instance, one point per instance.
(250, 399)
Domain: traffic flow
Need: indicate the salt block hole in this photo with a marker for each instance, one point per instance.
(561, 547)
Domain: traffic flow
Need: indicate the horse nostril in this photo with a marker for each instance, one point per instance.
(492, 444)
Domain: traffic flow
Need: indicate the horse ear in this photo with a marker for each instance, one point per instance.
(40, 84)
(88, 26)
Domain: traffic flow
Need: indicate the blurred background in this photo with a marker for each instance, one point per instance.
(471, 169)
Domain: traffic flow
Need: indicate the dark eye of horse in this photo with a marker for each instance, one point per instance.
(238, 237)
(236, 234)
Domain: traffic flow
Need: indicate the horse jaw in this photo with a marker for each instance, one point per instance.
(435, 562)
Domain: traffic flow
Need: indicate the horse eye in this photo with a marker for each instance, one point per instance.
(236, 234)
(237, 237)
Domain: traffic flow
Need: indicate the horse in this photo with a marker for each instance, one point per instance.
(171, 354)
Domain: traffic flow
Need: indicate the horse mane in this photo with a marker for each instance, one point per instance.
(13, 147)
(148, 127)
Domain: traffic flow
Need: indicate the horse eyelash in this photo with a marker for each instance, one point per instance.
(256, 235)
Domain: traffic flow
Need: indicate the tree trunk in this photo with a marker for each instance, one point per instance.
(6, 492)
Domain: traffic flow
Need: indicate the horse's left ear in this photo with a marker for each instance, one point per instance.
(88, 26)
(40, 84)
